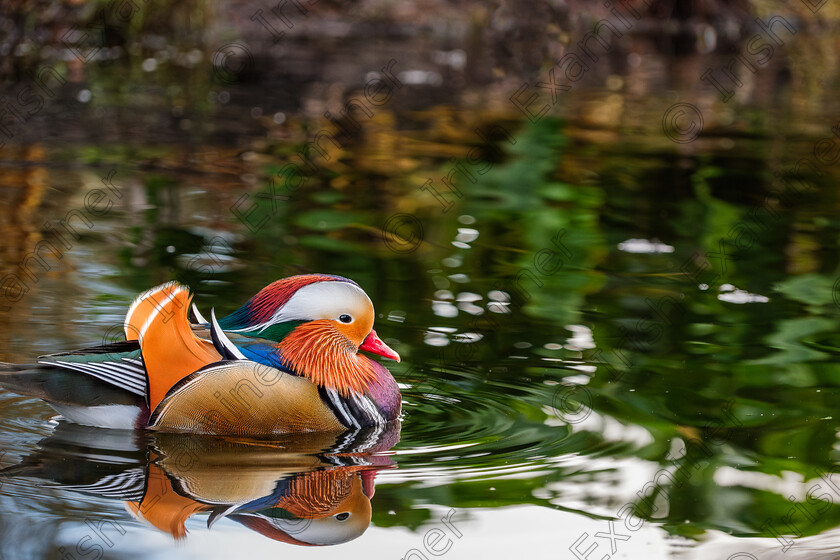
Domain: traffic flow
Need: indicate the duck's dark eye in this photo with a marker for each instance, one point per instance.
(342, 516)
(346, 318)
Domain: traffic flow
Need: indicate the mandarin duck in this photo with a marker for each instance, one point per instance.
(286, 361)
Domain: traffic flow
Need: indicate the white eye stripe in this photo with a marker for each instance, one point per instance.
(323, 300)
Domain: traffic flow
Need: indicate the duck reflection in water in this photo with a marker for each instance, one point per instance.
(304, 488)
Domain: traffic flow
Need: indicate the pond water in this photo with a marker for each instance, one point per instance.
(615, 297)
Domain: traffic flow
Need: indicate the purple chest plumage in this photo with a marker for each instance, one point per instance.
(385, 394)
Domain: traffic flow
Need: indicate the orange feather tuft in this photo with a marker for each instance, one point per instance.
(171, 351)
(319, 352)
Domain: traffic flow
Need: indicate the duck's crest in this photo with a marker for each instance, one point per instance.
(265, 303)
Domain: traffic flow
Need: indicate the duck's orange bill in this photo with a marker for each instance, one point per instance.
(374, 345)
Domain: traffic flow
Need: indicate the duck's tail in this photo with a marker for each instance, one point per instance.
(27, 380)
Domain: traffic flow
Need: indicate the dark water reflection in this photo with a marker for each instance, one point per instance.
(606, 325)
(303, 489)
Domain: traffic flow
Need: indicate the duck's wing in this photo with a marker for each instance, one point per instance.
(70, 384)
(119, 364)
(98, 386)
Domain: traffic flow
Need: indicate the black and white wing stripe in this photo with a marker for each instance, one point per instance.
(125, 373)
(128, 485)
(355, 411)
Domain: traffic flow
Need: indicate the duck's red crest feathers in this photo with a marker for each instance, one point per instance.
(262, 306)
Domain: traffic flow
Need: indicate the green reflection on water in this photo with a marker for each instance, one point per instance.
(679, 355)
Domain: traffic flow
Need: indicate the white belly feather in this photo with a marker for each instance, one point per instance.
(116, 416)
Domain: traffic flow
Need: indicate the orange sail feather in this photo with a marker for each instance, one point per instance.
(158, 319)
